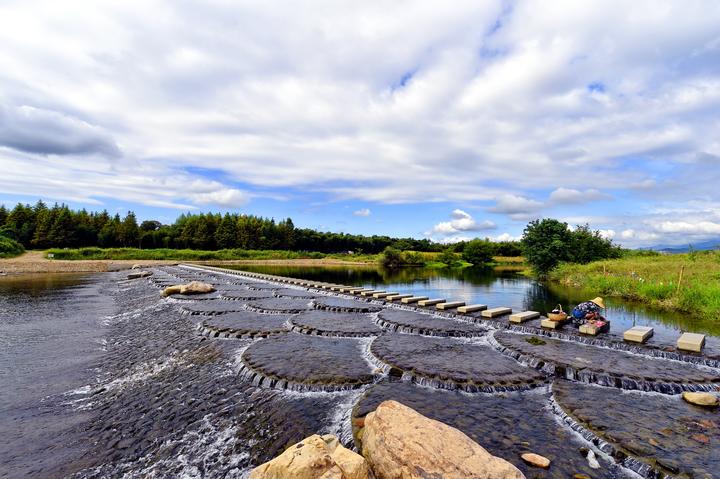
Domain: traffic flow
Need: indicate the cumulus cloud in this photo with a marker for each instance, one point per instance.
(517, 207)
(461, 222)
(570, 195)
(227, 197)
(362, 212)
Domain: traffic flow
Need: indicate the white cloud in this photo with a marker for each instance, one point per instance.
(693, 228)
(517, 207)
(570, 195)
(461, 222)
(227, 197)
(362, 212)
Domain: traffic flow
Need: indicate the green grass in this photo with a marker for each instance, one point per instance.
(182, 254)
(653, 280)
(9, 248)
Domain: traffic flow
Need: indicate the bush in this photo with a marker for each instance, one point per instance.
(478, 252)
(9, 247)
(413, 258)
(391, 258)
(448, 258)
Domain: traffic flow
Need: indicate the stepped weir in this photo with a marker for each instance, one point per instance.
(512, 387)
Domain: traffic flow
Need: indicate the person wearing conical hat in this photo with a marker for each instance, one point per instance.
(588, 310)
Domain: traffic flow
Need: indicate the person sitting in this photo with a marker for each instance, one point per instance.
(589, 310)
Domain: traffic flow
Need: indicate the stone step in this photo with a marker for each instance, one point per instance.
(431, 302)
(350, 290)
(370, 293)
(398, 296)
(449, 305)
(471, 308)
(495, 312)
(384, 294)
(638, 334)
(691, 342)
(550, 324)
(414, 299)
(524, 316)
(358, 292)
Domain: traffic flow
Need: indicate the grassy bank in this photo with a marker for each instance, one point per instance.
(688, 283)
(119, 254)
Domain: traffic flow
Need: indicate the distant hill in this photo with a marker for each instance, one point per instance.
(700, 245)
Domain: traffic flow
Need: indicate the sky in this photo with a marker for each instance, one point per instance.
(445, 120)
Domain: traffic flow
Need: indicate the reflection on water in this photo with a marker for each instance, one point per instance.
(495, 287)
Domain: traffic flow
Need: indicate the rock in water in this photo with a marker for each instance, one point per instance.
(136, 266)
(398, 442)
(315, 457)
(536, 460)
(701, 399)
(139, 274)
(193, 287)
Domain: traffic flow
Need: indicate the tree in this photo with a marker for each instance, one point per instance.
(448, 258)
(587, 245)
(391, 258)
(226, 234)
(129, 233)
(546, 243)
(478, 252)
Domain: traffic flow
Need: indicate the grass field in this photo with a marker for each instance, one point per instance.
(683, 282)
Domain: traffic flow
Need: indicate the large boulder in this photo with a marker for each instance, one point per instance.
(193, 287)
(701, 399)
(400, 443)
(316, 457)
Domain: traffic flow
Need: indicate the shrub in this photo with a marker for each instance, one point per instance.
(478, 252)
(448, 258)
(413, 258)
(9, 247)
(391, 258)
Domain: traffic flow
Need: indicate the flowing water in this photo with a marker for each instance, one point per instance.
(101, 377)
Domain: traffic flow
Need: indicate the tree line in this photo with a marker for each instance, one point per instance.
(41, 226)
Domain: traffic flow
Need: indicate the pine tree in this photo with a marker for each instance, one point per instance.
(129, 233)
(226, 234)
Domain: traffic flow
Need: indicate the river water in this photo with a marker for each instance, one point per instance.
(101, 377)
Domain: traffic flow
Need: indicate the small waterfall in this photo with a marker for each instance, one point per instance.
(640, 468)
(468, 387)
(371, 359)
(259, 379)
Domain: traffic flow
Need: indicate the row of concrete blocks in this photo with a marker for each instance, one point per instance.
(693, 342)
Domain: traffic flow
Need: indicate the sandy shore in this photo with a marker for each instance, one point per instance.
(35, 262)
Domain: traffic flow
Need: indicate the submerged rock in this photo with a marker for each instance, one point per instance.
(315, 457)
(193, 287)
(398, 442)
(701, 399)
(139, 274)
(536, 460)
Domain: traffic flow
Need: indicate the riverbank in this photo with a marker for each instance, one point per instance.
(37, 262)
(687, 283)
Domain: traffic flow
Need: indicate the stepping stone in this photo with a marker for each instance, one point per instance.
(449, 305)
(691, 342)
(337, 288)
(471, 308)
(495, 312)
(414, 299)
(593, 330)
(350, 290)
(638, 334)
(431, 302)
(550, 324)
(370, 293)
(398, 296)
(524, 316)
(384, 294)
(361, 291)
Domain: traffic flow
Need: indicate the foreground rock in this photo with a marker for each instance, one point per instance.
(701, 399)
(401, 443)
(315, 457)
(193, 287)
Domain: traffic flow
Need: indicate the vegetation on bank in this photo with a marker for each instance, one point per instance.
(194, 255)
(10, 248)
(679, 282)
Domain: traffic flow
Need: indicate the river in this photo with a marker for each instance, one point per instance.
(101, 377)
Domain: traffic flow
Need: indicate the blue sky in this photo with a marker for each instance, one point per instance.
(405, 118)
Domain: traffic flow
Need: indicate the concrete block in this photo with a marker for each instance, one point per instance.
(495, 312)
(638, 334)
(398, 296)
(431, 302)
(449, 305)
(471, 308)
(524, 316)
(358, 292)
(550, 324)
(384, 294)
(691, 342)
(414, 299)
(593, 330)
(370, 293)
(350, 290)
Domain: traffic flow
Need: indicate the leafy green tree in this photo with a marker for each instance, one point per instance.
(546, 243)
(129, 233)
(226, 234)
(478, 252)
(587, 245)
(391, 258)
(9, 247)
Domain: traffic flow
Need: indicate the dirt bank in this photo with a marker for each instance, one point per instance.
(35, 262)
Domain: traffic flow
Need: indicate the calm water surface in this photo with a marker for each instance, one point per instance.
(502, 286)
